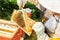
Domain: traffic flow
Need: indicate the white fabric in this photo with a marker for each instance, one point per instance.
(48, 13)
(57, 31)
(53, 5)
(28, 10)
(39, 29)
(19, 2)
(51, 24)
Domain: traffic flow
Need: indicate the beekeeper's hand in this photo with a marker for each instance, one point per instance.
(38, 26)
(39, 29)
(21, 3)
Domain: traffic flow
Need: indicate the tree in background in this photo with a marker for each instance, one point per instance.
(6, 8)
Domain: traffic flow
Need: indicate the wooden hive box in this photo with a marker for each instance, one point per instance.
(9, 31)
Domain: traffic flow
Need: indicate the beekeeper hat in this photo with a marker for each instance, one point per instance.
(53, 5)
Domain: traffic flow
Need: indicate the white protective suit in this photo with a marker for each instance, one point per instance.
(53, 25)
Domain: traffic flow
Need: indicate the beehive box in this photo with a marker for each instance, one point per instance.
(9, 31)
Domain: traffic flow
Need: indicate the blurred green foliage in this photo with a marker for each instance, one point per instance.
(6, 8)
(32, 37)
(13, 1)
(36, 13)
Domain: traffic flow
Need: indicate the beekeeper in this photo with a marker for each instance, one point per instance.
(53, 23)
(37, 27)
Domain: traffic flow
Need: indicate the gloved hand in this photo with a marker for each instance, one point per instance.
(39, 29)
(21, 3)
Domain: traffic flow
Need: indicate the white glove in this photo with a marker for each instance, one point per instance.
(39, 29)
(21, 2)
